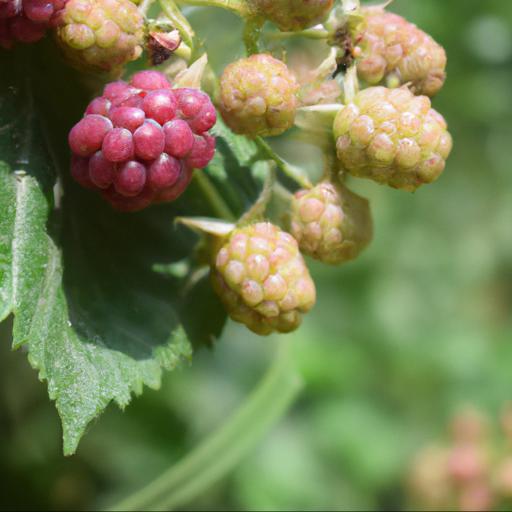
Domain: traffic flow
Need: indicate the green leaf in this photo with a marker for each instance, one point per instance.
(97, 319)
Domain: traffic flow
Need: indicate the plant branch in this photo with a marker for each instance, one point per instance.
(216, 201)
(311, 33)
(222, 451)
(292, 172)
(177, 18)
(252, 34)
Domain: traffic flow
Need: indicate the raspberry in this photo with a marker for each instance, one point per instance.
(139, 143)
(293, 15)
(331, 223)
(258, 96)
(262, 279)
(26, 21)
(393, 137)
(101, 34)
(392, 51)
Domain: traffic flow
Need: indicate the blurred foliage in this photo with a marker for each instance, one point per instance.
(399, 339)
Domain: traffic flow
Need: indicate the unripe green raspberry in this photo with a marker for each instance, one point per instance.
(262, 279)
(292, 15)
(392, 137)
(393, 52)
(331, 223)
(258, 96)
(101, 34)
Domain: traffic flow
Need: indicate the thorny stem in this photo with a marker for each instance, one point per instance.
(239, 7)
(291, 171)
(174, 14)
(216, 201)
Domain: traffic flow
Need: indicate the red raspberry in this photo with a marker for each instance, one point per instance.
(26, 21)
(139, 143)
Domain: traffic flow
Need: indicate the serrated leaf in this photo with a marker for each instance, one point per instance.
(97, 320)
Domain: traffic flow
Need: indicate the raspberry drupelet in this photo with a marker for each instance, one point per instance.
(26, 21)
(140, 141)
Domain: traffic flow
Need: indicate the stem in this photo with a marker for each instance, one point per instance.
(174, 14)
(237, 6)
(257, 210)
(350, 84)
(216, 201)
(292, 172)
(145, 6)
(252, 33)
(222, 451)
(311, 33)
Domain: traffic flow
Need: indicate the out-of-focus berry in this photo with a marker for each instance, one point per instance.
(393, 52)
(331, 223)
(467, 462)
(140, 141)
(392, 137)
(101, 35)
(262, 279)
(292, 15)
(26, 21)
(258, 96)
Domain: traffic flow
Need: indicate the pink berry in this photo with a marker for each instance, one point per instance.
(130, 179)
(80, 171)
(205, 120)
(160, 105)
(86, 137)
(100, 106)
(129, 204)
(179, 138)
(164, 172)
(149, 141)
(38, 10)
(150, 80)
(172, 193)
(202, 151)
(128, 117)
(117, 92)
(101, 171)
(118, 145)
(190, 101)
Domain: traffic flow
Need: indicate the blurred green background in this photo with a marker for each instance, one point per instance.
(419, 325)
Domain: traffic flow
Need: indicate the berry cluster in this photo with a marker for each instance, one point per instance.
(392, 137)
(258, 96)
(392, 51)
(331, 223)
(473, 472)
(262, 279)
(26, 21)
(139, 142)
(292, 15)
(101, 34)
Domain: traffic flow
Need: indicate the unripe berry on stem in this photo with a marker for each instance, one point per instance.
(139, 143)
(392, 51)
(258, 96)
(262, 279)
(392, 137)
(102, 35)
(331, 223)
(292, 15)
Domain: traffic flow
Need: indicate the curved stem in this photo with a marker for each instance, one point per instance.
(145, 6)
(216, 201)
(291, 171)
(220, 452)
(174, 14)
(310, 33)
(239, 7)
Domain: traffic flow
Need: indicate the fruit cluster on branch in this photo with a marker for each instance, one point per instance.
(141, 140)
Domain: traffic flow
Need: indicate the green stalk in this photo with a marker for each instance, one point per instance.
(292, 172)
(216, 201)
(252, 34)
(177, 18)
(224, 449)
